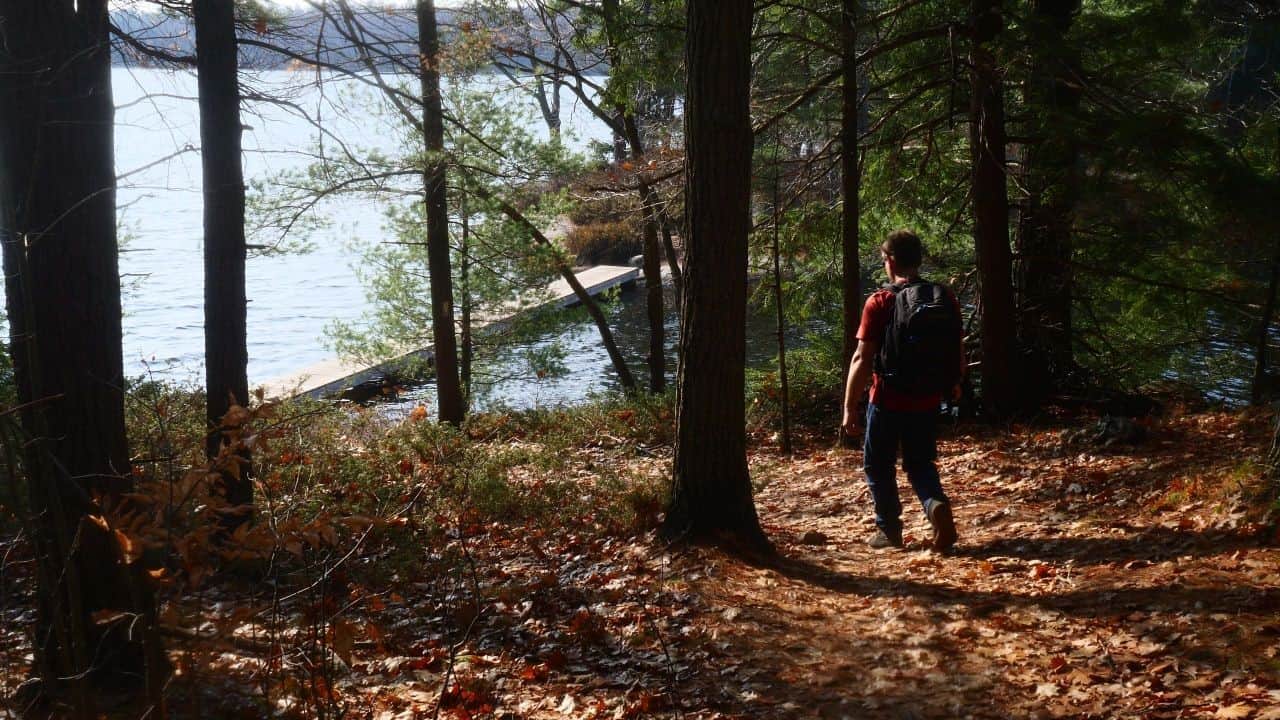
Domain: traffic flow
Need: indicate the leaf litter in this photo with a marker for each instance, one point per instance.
(1088, 583)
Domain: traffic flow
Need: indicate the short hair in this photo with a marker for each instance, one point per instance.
(904, 247)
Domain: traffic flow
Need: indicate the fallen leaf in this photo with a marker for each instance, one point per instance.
(128, 548)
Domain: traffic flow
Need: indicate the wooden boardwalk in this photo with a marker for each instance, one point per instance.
(335, 374)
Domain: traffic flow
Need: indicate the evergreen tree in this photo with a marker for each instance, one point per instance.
(58, 228)
(225, 304)
(711, 495)
(449, 392)
(991, 212)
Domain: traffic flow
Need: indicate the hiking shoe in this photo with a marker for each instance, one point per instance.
(944, 526)
(884, 540)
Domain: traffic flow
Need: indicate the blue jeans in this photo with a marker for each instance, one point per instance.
(917, 432)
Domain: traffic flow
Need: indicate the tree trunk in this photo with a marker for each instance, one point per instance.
(991, 214)
(652, 271)
(1052, 181)
(653, 293)
(673, 262)
(464, 281)
(58, 229)
(1262, 389)
(448, 389)
(784, 388)
(649, 207)
(625, 378)
(850, 181)
(547, 92)
(711, 495)
(225, 308)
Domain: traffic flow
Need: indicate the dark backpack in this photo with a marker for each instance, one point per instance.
(920, 354)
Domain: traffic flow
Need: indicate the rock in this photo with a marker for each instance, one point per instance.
(813, 537)
(1113, 429)
(379, 387)
(1110, 430)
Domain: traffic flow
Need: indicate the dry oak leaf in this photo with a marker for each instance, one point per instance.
(1234, 712)
(1047, 690)
(236, 416)
(128, 548)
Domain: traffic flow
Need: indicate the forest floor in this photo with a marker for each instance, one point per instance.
(1128, 581)
(1088, 582)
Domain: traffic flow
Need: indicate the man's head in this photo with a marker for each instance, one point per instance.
(902, 254)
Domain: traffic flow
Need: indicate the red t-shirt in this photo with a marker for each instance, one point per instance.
(875, 319)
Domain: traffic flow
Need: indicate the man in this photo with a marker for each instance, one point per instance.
(900, 413)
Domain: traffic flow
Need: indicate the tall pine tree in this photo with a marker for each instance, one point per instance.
(58, 229)
(711, 498)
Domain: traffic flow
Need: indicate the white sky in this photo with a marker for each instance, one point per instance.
(141, 4)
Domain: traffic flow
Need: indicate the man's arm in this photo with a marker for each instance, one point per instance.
(860, 369)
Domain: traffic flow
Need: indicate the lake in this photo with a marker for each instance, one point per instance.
(291, 297)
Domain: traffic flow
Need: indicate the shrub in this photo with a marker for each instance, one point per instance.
(815, 376)
(611, 208)
(611, 243)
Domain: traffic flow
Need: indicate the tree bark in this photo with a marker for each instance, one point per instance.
(464, 281)
(656, 312)
(1052, 181)
(649, 208)
(673, 262)
(711, 496)
(1262, 389)
(850, 180)
(225, 305)
(653, 293)
(991, 213)
(784, 387)
(549, 98)
(448, 388)
(58, 229)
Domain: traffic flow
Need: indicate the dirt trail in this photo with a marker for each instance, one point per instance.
(1088, 582)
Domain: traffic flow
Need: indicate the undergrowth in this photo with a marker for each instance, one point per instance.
(351, 508)
(371, 532)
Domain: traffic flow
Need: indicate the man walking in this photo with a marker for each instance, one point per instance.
(910, 350)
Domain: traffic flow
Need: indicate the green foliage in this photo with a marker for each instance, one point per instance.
(1172, 214)
(815, 380)
(166, 424)
(8, 383)
(489, 153)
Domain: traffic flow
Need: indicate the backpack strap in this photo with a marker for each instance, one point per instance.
(896, 288)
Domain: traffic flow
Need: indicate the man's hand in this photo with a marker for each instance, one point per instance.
(860, 371)
(851, 422)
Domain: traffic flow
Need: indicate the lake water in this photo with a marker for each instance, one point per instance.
(291, 297)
